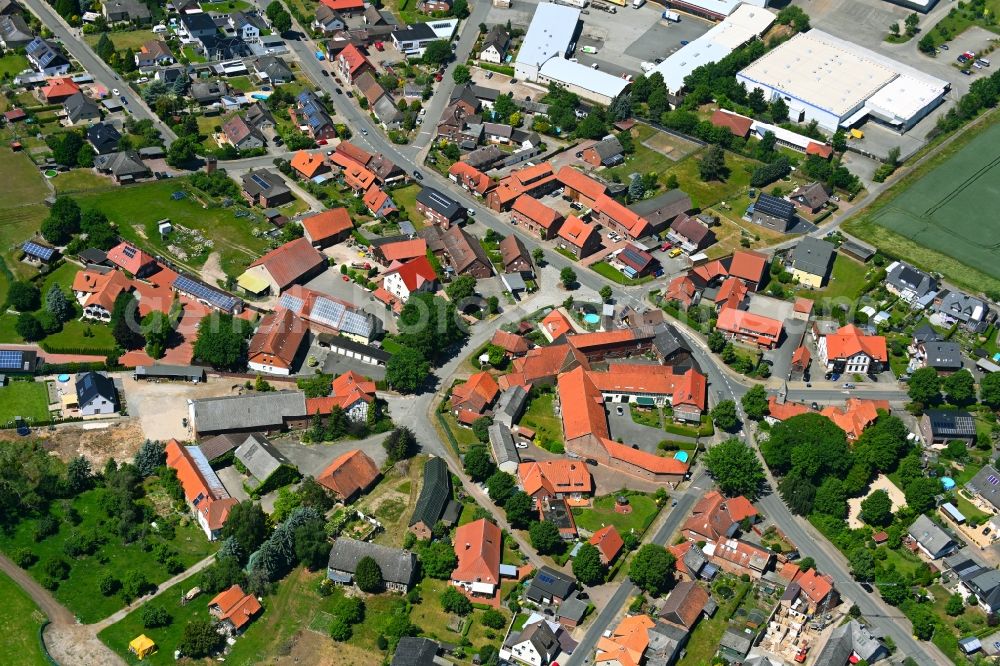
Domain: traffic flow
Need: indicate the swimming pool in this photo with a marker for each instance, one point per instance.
(591, 318)
(682, 456)
(260, 95)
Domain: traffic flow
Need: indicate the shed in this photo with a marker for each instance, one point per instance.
(142, 646)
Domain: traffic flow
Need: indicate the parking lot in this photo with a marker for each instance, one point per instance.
(622, 40)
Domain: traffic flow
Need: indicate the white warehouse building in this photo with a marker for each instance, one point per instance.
(840, 84)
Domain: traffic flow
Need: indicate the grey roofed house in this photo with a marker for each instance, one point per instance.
(932, 539)
(736, 642)
(609, 150)
(274, 69)
(498, 37)
(484, 94)
(942, 355)
(573, 609)
(124, 165)
(542, 639)
(970, 644)
(273, 184)
(104, 137)
(667, 343)
(412, 650)
(971, 311)
(813, 256)
(497, 130)
(262, 411)
(260, 457)
(986, 484)
(986, 585)
(692, 230)
(484, 158)
(912, 284)
(259, 115)
(327, 19)
(93, 388)
(14, 31)
(242, 134)
(848, 639)
(220, 445)
(811, 196)
(550, 584)
(399, 567)
(945, 424)
(93, 258)
(925, 333)
(46, 57)
(510, 406)
(773, 206)
(665, 643)
(439, 203)
(10, 7)
(435, 494)
(125, 10)
(696, 562)
(386, 111)
(465, 93)
(80, 108)
(372, 16)
(207, 92)
(661, 210)
(502, 446)
(525, 136)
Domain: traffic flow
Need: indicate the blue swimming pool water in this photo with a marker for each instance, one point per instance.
(591, 318)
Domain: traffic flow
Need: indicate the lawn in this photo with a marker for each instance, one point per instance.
(646, 417)
(79, 592)
(137, 215)
(615, 275)
(938, 215)
(81, 180)
(433, 621)
(904, 561)
(88, 337)
(392, 502)
(962, 17)
(846, 281)
(20, 620)
(603, 513)
(26, 399)
(406, 200)
(12, 64)
(969, 510)
(540, 417)
(704, 640)
(129, 39)
(21, 210)
(226, 7)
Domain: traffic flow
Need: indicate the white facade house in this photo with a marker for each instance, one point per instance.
(396, 286)
(840, 84)
(490, 54)
(549, 36)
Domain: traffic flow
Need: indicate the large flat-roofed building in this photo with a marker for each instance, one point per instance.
(716, 10)
(590, 84)
(840, 84)
(549, 35)
(744, 24)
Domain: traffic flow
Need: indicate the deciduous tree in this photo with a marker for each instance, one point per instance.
(652, 569)
(735, 468)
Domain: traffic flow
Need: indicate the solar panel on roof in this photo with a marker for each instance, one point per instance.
(993, 480)
(546, 578)
(293, 303)
(263, 184)
(355, 323)
(129, 251)
(36, 250)
(11, 359)
(329, 312)
(202, 291)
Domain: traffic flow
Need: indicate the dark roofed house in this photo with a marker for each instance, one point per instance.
(810, 198)
(208, 92)
(458, 250)
(14, 31)
(942, 355)
(46, 58)
(850, 642)
(261, 459)
(273, 70)
(96, 394)
(812, 261)
(484, 158)
(910, 284)
(435, 496)
(940, 426)
(220, 445)
(399, 567)
(125, 11)
(439, 208)
(684, 605)
(125, 166)
(265, 188)
(550, 586)
(932, 540)
(606, 152)
(241, 134)
(104, 137)
(387, 112)
(495, 45)
(773, 213)
(736, 643)
(272, 411)
(635, 261)
(662, 210)
(691, 233)
(986, 484)
(971, 312)
(412, 650)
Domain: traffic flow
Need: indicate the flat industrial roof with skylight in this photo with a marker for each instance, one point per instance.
(839, 84)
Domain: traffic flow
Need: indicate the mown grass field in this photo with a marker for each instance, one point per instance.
(25, 399)
(846, 280)
(603, 513)
(20, 620)
(941, 216)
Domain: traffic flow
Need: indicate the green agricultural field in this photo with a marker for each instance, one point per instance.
(20, 620)
(137, 214)
(943, 218)
(26, 399)
(21, 210)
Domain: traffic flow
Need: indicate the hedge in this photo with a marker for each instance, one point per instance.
(499, 69)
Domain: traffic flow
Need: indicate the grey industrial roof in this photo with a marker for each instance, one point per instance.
(176, 371)
(434, 495)
(813, 256)
(260, 457)
(243, 412)
(397, 565)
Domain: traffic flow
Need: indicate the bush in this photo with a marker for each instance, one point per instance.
(154, 616)
(24, 557)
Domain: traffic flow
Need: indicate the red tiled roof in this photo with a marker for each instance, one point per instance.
(582, 406)
(536, 211)
(801, 357)
(748, 265)
(555, 476)
(856, 415)
(738, 125)
(815, 585)
(686, 388)
(415, 272)
(476, 394)
(356, 153)
(579, 181)
(328, 224)
(308, 164)
(823, 150)
(348, 389)
(731, 293)
(803, 305)
(576, 232)
(608, 541)
(129, 258)
(850, 341)
(470, 177)
(59, 88)
(477, 547)
(101, 288)
(635, 225)
(784, 411)
(403, 250)
(714, 515)
(747, 323)
(557, 324)
(375, 198)
(353, 56)
(277, 339)
(682, 289)
(212, 503)
(711, 270)
(235, 606)
(289, 262)
(341, 5)
(351, 473)
(510, 342)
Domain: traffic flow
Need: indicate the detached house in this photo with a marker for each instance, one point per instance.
(715, 517)
(234, 609)
(265, 189)
(475, 395)
(46, 58)
(242, 135)
(434, 503)
(352, 63)
(207, 498)
(851, 351)
(349, 475)
(812, 261)
(402, 279)
(398, 566)
(911, 284)
(477, 547)
(439, 208)
(559, 479)
(495, 45)
(153, 53)
(606, 152)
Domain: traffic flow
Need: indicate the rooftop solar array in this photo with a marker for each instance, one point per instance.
(338, 316)
(37, 250)
(129, 251)
(203, 292)
(634, 257)
(952, 422)
(11, 359)
(293, 303)
(263, 184)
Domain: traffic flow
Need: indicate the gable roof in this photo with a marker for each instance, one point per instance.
(684, 604)
(350, 473)
(736, 124)
(536, 211)
(328, 224)
(355, 60)
(714, 516)
(93, 385)
(556, 323)
(129, 258)
(289, 262)
(414, 273)
(404, 249)
(236, 606)
(202, 487)
(560, 475)
(512, 249)
(581, 182)
(576, 232)
(477, 547)
(813, 256)
(608, 541)
(477, 393)
(398, 566)
(308, 164)
(741, 321)
(260, 457)
(633, 223)
(511, 343)
(748, 265)
(278, 339)
(434, 494)
(856, 415)
(849, 341)
(926, 532)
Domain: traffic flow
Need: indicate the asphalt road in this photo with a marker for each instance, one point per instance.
(99, 69)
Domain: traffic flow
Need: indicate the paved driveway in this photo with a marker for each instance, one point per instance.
(312, 459)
